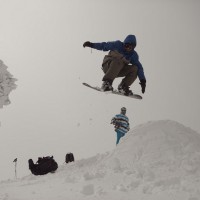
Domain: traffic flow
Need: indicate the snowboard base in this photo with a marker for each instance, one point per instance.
(135, 96)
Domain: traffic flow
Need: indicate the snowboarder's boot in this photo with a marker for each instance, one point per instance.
(122, 88)
(107, 86)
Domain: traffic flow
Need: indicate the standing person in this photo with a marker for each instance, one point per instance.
(121, 61)
(121, 124)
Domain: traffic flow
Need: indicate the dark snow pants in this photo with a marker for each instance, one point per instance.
(115, 65)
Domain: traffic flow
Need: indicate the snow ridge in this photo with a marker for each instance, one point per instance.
(159, 160)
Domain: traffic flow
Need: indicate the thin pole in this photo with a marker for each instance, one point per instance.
(15, 161)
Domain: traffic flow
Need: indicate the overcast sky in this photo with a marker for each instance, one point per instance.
(52, 113)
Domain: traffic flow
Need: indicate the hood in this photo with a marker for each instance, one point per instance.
(130, 39)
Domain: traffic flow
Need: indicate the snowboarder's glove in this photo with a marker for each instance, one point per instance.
(87, 44)
(143, 85)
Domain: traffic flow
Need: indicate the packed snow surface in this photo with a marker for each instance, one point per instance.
(158, 160)
(7, 84)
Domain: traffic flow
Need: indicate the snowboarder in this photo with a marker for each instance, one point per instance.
(121, 124)
(121, 61)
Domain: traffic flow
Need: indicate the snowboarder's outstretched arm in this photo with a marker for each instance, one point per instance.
(141, 76)
(103, 46)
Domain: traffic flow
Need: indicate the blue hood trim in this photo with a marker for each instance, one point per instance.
(130, 39)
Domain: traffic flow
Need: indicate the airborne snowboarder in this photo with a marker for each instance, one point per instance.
(121, 61)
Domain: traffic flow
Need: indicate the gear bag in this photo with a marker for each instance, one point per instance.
(69, 157)
(43, 166)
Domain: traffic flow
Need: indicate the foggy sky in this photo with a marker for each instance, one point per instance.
(52, 113)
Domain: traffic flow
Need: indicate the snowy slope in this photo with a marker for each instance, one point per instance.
(156, 161)
(7, 84)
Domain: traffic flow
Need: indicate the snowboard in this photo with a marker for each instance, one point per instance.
(135, 96)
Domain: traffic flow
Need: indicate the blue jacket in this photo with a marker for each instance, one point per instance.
(121, 123)
(132, 56)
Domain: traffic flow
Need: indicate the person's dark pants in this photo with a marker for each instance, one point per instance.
(115, 67)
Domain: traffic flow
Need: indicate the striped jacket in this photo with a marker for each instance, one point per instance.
(121, 123)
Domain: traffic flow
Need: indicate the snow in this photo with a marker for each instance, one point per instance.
(158, 160)
(7, 84)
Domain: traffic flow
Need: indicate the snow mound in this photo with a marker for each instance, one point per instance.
(164, 154)
(156, 161)
(7, 84)
(164, 147)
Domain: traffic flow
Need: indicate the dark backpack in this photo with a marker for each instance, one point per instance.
(69, 157)
(43, 165)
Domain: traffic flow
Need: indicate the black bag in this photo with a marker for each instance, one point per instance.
(43, 165)
(69, 157)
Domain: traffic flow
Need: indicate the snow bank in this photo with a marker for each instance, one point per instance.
(156, 161)
(7, 84)
(164, 155)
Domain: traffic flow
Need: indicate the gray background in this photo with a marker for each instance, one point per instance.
(52, 113)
